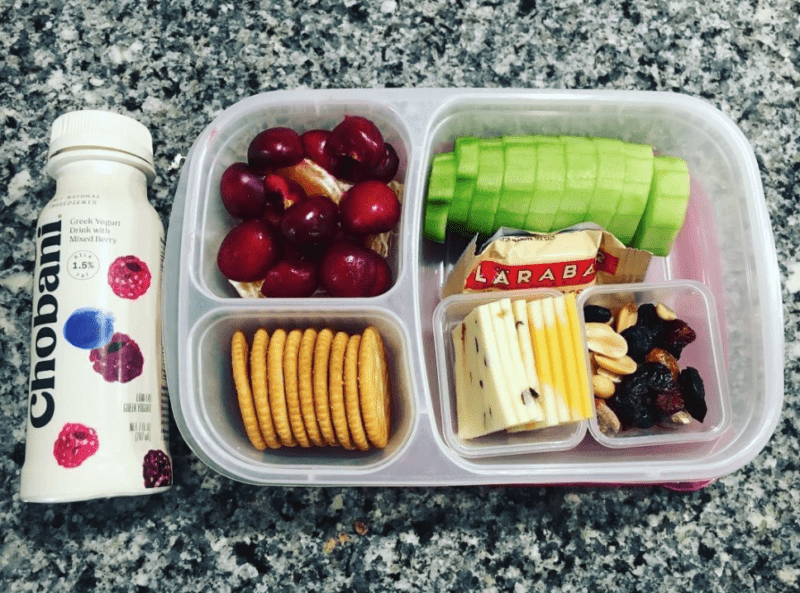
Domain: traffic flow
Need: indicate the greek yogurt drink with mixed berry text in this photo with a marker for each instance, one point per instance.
(97, 412)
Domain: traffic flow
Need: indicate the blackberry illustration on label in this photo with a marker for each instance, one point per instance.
(156, 469)
(119, 360)
(129, 277)
(89, 328)
(75, 444)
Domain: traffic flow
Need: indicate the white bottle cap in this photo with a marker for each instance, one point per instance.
(89, 129)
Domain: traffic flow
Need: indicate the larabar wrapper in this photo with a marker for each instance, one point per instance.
(569, 260)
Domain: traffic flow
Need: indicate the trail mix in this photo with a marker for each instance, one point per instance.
(636, 377)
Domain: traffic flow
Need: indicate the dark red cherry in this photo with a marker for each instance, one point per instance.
(358, 138)
(275, 148)
(291, 279)
(242, 191)
(311, 221)
(248, 251)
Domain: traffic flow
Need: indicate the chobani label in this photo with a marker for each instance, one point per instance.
(97, 413)
(45, 319)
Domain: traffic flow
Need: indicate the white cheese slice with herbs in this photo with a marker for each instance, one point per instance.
(506, 334)
(483, 406)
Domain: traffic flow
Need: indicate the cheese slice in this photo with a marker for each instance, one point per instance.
(542, 360)
(520, 309)
(581, 367)
(557, 367)
(522, 392)
(483, 405)
(569, 360)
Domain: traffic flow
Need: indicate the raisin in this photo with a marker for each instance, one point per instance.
(625, 407)
(675, 335)
(596, 314)
(694, 393)
(648, 317)
(640, 339)
(646, 417)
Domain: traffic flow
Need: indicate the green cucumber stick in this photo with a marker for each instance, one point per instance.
(635, 190)
(610, 179)
(581, 178)
(666, 207)
(466, 150)
(435, 223)
(488, 185)
(442, 180)
(519, 181)
(459, 207)
(551, 170)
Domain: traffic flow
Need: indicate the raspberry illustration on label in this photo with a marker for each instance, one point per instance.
(129, 277)
(156, 469)
(75, 444)
(119, 360)
(89, 328)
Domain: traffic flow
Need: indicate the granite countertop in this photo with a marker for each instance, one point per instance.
(174, 66)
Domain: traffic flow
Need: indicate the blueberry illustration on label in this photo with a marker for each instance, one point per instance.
(119, 360)
(129, 277)
(156, 469)
(89, 328)
(75, 444)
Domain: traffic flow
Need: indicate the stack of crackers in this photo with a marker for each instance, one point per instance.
(312, 388)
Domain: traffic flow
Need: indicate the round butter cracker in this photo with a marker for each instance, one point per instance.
(241, 381)
(258, 380)
(305, 360)
(322, 353)
(291, 385)
(277, 388)
(351, 395)
(374, 388)
(336, 390)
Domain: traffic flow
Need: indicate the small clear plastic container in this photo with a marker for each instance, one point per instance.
(738, 266)
(448, 314)
(694, 303)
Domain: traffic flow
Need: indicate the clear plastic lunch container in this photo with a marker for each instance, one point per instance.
(726, 247)
(694, 303)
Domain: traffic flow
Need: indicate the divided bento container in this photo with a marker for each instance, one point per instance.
(725, 250)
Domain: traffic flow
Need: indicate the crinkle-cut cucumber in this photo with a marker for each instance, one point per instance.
(610, 180)
(435, 224)
(466, 150)
(551, 171)
(666, 208)
(635, 190)
(442, 180)
(519, 181)
(488, 185)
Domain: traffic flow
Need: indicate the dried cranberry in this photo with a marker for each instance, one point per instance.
(675, 335)
(669, 402)
(640, 339)
(694, 393)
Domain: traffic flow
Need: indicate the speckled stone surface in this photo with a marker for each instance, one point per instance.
(174, 66)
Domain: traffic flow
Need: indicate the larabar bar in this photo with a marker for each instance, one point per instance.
(569, 261)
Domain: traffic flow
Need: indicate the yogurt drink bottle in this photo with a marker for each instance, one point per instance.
(97, 417)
